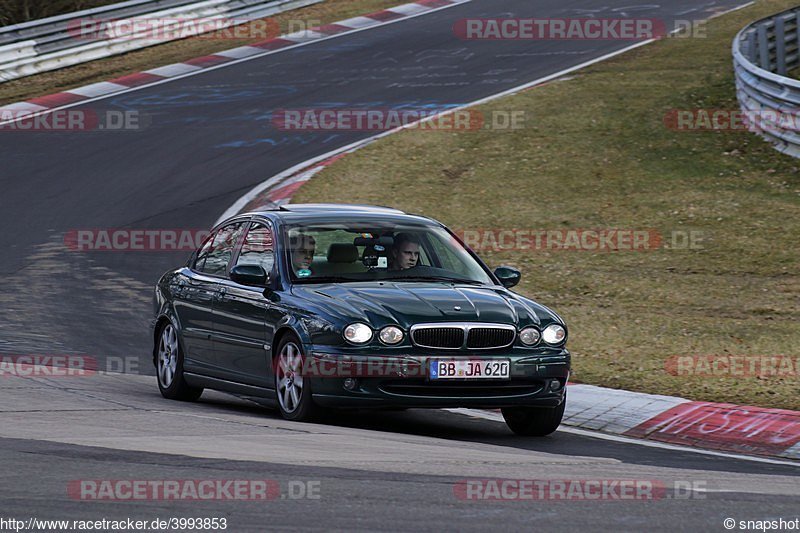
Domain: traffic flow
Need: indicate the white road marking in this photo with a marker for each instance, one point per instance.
(358, 22)
(237, 53)
(173, 71)
(302, 36)
(406, 9)
(97, 89)
(23, 106)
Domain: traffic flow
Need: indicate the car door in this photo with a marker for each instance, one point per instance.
(192, 298)
(195, 300)
(241, 334)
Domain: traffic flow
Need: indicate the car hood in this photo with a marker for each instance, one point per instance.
(408, 303)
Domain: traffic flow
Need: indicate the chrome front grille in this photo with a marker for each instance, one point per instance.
(456, 336)
(448, 338)
(483, 338)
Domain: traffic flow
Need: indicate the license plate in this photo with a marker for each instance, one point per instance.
(470, 369)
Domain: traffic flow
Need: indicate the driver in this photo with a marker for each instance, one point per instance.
(303, 254)
(405, 252)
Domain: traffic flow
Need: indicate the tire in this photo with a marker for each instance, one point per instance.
(169, 367)
(534, 421)
(292, 390)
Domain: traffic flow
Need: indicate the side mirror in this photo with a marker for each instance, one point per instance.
(508, 276)
(252, 275)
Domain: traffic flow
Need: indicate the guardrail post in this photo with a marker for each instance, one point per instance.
(780, 46)
(797, 37)
(752, 54)
(763, 47)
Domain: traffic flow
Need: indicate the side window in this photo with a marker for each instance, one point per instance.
(258, 248)
(203, 253)
(215, 258)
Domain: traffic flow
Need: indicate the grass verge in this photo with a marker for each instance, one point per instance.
(176, 51)
(595, 153)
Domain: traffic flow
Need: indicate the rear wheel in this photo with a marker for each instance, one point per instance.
(292, 389)
(534, 421)
(169, 366)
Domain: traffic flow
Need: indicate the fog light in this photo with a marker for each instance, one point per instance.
(555, 385)
(350, 383)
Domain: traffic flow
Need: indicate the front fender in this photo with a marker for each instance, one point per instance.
(295, 325)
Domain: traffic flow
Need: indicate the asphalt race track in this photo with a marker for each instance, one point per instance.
(386, 470)
(209, 140)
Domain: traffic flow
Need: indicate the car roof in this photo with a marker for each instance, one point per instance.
(307, 208)
(294, 213)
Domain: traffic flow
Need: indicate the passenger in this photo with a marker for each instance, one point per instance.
(303, 254)
(405, 252)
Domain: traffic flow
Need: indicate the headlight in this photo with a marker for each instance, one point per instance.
(554, 334)
(391, 335)
(529, 336)
(358, 333)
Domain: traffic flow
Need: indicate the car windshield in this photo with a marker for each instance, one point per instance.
(352, 251)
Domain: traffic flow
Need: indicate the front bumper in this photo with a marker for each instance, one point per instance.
(401, 380)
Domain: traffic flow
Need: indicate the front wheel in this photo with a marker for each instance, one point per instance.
(169, 366)
(534, 421)
(292, 389)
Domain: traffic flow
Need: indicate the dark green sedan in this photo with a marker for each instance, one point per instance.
(313, 307)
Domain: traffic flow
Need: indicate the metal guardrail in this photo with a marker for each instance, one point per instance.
(51, 26)
(763, 53)
(52, 43)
